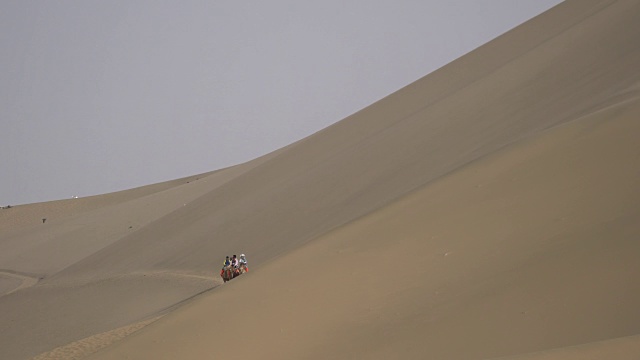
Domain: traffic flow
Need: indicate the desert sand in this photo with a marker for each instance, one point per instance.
(490, 210)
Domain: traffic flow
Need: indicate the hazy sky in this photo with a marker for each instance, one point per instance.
(99, 96)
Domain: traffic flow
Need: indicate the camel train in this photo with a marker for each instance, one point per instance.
(229, 272)
(233, 267)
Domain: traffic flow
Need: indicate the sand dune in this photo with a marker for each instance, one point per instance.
(534, 247)
(489, 209)
(57, 310)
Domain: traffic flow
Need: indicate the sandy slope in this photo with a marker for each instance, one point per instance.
(532, 248)
(626, 348)
(542, 74)
(510, 234)
(58, 309)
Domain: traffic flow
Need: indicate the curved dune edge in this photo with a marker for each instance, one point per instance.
(25, 281)
(89, 345)
(624, 348)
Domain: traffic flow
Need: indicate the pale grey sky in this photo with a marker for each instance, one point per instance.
(99, 96)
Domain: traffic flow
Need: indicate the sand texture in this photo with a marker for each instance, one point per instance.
(490, 210)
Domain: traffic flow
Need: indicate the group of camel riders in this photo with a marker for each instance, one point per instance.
(234, 265)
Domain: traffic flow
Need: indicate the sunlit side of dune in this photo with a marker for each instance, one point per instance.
(532, 248)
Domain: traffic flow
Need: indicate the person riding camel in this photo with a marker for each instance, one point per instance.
(243, 262)
(234, 261)
(226, 263)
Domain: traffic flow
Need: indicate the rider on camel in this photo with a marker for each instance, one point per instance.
(226, 263)
(243, 261)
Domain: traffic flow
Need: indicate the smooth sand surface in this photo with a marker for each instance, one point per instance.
(490, 209)
(626, 348)
(531, 248)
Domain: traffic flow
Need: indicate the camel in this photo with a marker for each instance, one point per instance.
(227, 273)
